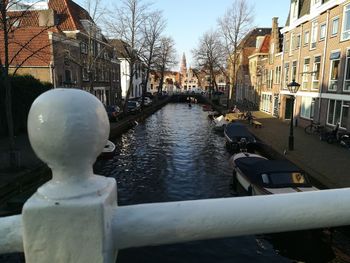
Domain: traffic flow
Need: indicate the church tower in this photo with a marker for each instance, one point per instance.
(183, 68)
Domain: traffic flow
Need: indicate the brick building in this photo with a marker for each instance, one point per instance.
(63, 46)
(316, 54)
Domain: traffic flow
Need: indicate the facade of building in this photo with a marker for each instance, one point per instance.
(265, 71)
(64, 47)
(138, 72)
(171, 83)
(240, 79)
(317, 54)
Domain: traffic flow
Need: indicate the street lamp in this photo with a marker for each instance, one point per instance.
(293, 89)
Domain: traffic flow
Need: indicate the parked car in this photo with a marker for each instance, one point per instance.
(147, 101)
(134, 106)
(113, 112)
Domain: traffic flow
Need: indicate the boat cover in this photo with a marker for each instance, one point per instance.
(253, 167)
(235, 131)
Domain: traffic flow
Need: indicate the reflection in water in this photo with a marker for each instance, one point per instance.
(174, 155)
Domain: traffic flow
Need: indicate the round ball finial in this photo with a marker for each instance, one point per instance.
(68, 129)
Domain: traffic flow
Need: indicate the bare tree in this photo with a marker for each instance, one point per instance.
(152, 30)
(96, 12)
(166, 58)
(127, 23)
(210, 56)
(234, 25)
(21, 51)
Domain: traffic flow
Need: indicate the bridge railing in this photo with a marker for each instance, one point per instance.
(75, 216)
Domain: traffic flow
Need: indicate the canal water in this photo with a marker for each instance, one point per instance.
(174, 155)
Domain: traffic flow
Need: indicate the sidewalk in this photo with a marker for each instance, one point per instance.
(327, 163)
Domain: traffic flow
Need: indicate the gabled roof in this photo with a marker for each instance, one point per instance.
(121, 47)
(69, 14)
(265, 45)
(250, 39)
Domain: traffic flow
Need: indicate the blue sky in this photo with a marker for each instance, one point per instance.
(187, 20)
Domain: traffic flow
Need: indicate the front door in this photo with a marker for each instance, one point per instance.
(288, 110)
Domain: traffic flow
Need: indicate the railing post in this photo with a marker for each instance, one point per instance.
(69, 218)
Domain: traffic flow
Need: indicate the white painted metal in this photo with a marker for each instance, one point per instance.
(152, 224)
(69, 218)
(11, 234)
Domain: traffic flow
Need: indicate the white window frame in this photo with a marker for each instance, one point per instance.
(305, 77)
(314, 80)
(333, 32)
(294, 67)
(286, 74)
(307, 102)
(278, 71)
(340, 118)
(323, 31)
(314, 33)
(346, 84)
(306, 38)
(345, 34)
(333, 83)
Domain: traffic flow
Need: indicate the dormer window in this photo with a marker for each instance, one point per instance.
(294, 10)
(315, 4)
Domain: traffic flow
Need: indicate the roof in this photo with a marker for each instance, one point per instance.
(253, 167)
(264, 47)
(250, 39)
(69, 14)
(121, 47)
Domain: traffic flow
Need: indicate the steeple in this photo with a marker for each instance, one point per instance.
(183, 68)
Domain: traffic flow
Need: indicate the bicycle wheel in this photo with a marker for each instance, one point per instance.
(308, 129)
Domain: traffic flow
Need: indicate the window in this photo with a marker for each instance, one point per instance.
(334, 71)
(316, 73)
(314, 35)
(286, 45)
(294, 70)
(67, 76)
(306, 69)
(338, 111)
(306, 38)
(85, 71)
(286, 75)
(83, 48)
(322, 32)
(346, 86)
(278, 75)
(335, 26)
(294, 8)
(292, 42)
(346, 23)
(66, 58)
(298, 41)
(307, 107)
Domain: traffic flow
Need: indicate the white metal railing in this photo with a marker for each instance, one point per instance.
(75, 216)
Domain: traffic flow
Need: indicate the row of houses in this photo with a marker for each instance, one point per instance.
(58, 42)
(313, 48)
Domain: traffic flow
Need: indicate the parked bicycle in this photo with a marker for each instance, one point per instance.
(334, 135)
(314, 128)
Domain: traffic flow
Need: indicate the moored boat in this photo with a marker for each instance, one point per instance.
(238, 138)
(259, 176)
(108, 151)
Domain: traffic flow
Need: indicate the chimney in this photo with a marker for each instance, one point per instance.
(46, 18)
(275, 32)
